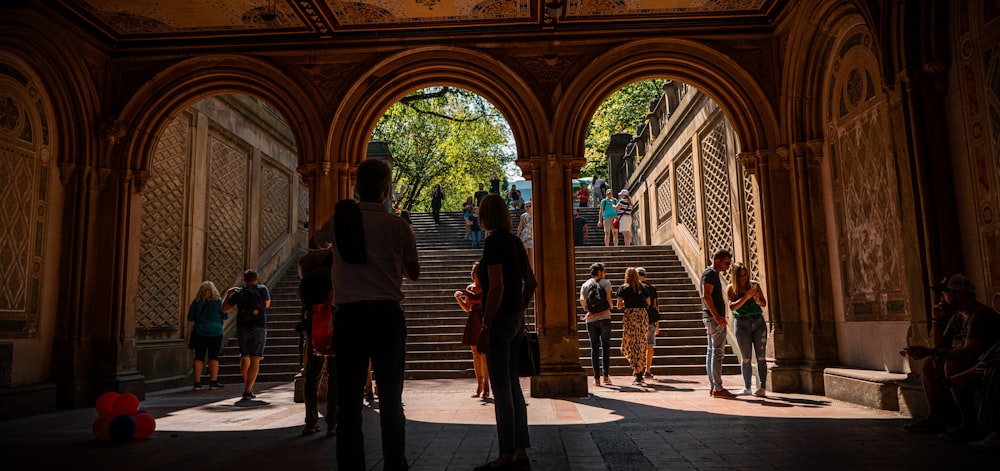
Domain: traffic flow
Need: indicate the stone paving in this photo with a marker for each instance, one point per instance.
(672, 424)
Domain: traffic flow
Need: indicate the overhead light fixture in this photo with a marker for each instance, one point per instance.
(554, 9)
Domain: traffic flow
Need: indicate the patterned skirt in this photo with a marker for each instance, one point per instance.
(634, 326)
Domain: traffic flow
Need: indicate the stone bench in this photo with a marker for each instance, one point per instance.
(875, 389)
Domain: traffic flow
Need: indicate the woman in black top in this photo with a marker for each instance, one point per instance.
(633, 297)
(508, 284)
(436, 198)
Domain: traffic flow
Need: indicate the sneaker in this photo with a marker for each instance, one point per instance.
(216, 385)
(638, 380)
(989, 445)
(744, 392)
(197, 387)
(310, 429)
(926, 426)
(961, 435)
(760, 392)
(248, 395)
(607, 380)
(647, 375)
(723, 394)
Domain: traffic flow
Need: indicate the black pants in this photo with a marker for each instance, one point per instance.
(374, 330)
(314, 369)
(436, 211)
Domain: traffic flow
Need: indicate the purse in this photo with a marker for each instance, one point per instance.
(615, 222)
(322, 327)
(530, 363)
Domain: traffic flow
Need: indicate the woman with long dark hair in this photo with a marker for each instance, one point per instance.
(508, 284)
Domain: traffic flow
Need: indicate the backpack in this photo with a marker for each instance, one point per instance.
(597, 300)
(249, 306)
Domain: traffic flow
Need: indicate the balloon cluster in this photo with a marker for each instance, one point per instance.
(120, 419)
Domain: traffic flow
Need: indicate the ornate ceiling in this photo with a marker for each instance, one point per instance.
(133, 22)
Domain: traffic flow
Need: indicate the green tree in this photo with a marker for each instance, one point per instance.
(622, 112)
(443, 136)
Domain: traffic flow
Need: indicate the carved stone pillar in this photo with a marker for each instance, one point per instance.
(555, 299)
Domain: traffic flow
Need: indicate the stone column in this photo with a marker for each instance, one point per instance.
(555, 299)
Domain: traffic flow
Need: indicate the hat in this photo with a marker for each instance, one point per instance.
(956, 282)
(641, 271)
(624, 192)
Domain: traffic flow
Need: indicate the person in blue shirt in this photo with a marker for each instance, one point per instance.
(609, 210)
(206, 316)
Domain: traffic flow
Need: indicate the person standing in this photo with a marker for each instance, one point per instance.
(633, 299)
(607, 216)
(495, 183)
(475, 230)
(653, 313)
(471, 301)
(437, 196)
(583, 195)
(480, 194)
(713, 315)
(624, 213)
(508, 285)
(525, 231)
(373, 250)
(206, 333)
(595, 298)
(516, 201)
(580, 229)
(251, 303)
(314, 289)
(746, 300)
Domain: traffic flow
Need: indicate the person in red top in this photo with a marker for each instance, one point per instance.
(584, 195)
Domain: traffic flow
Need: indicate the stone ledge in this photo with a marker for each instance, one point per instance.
(870, 388)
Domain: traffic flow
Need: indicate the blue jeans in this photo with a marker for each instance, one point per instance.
(251, 341)
(374, 330)
(716, 351)
(506, 336)
(477, 237)
(600, 342)
(752, 331)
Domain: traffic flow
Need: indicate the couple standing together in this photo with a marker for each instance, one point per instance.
(373, 250)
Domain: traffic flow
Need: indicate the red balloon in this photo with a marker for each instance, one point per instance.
(106, 404)
(144, 425)
(126, 404)
(101, 426)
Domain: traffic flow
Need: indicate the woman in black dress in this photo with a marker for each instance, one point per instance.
(508, 284)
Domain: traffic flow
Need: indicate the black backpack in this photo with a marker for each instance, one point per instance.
(597, 300)
(250, 306)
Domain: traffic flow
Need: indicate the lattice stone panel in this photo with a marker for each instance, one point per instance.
(162, 237)
(687, 205)
(303, 205)
(715, 184)
(663, 200)
(870, 228)
(750, 210)
(227, 200)
(17, 174)
(274, 212)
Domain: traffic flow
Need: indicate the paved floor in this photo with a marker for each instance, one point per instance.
(673, 424)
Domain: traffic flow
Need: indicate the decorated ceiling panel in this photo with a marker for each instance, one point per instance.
(124, 20)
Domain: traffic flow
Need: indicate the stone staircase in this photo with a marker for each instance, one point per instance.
(435, 322)
(449, 234)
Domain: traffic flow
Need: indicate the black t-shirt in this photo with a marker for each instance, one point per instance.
(631, 298)
(711, 277)
(505, 249)
(579, 223)
(479, 197)
(651, 290)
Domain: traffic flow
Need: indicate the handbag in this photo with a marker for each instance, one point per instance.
(322, 327)
(530, 363)
(615, 222)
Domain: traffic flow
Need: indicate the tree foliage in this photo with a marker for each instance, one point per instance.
(447, 136)
(622, 112)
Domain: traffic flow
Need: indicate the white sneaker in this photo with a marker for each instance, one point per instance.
(760, 392)
(743, 392)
